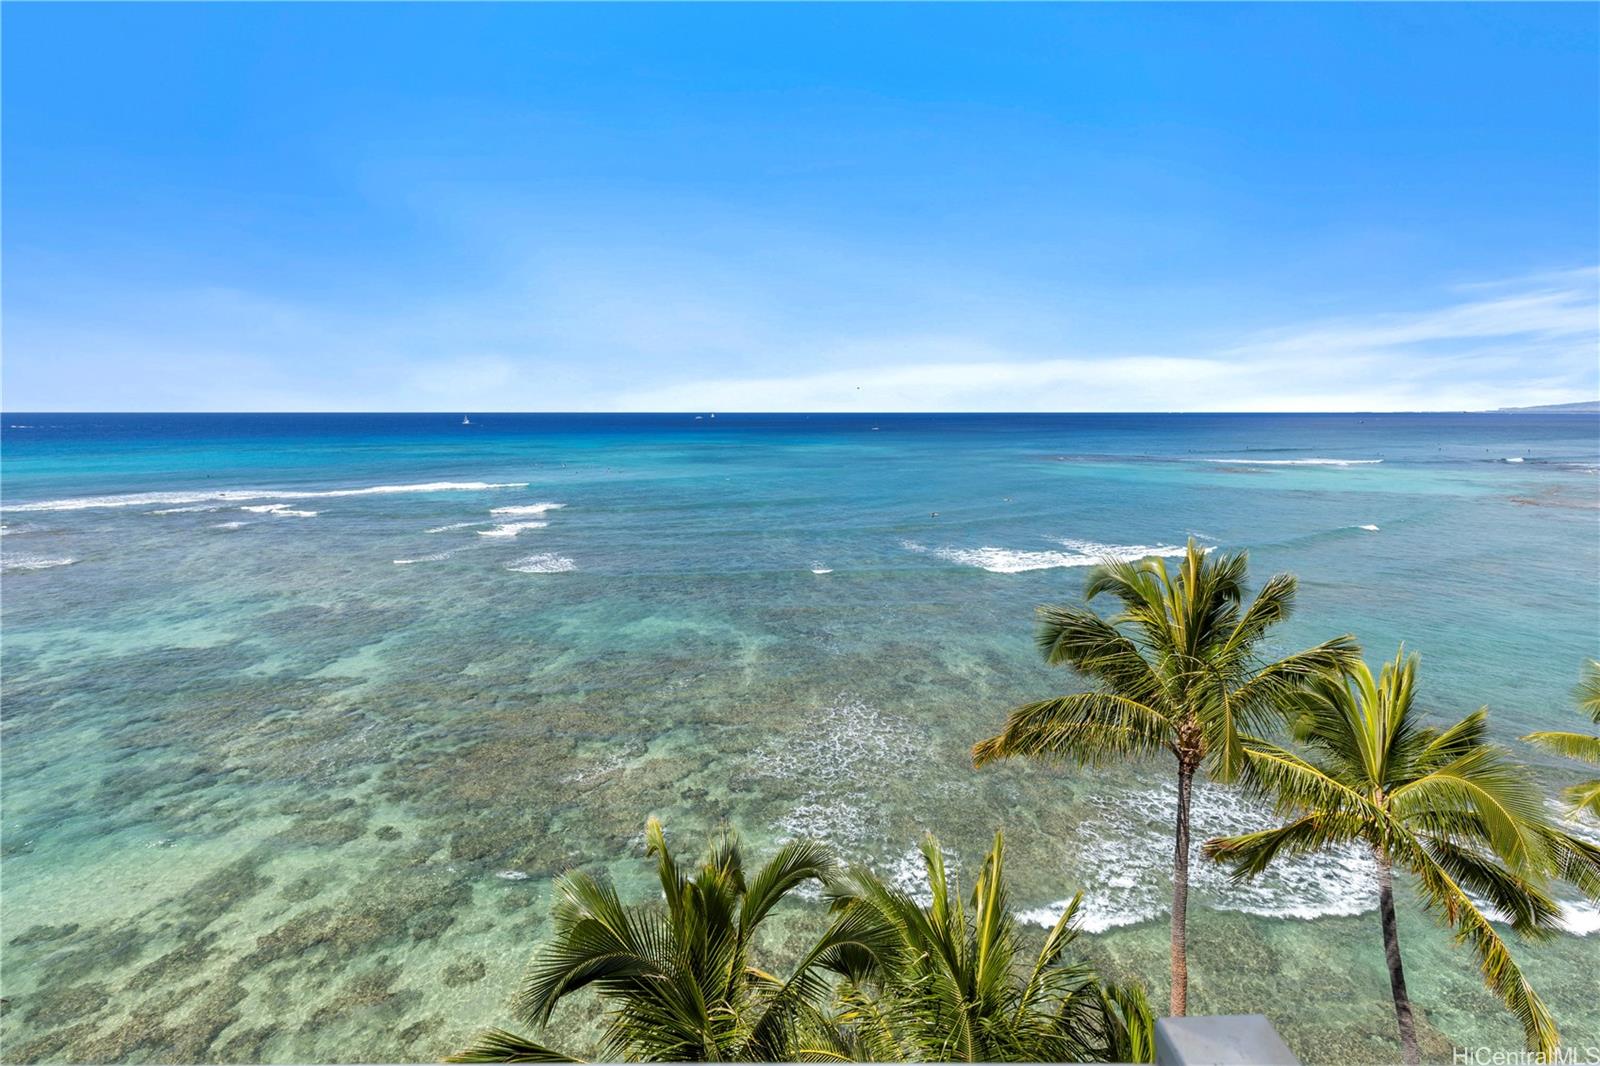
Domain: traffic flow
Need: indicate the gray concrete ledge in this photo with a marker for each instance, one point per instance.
(1223, 1040)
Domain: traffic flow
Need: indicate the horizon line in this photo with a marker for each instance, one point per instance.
(1583, 407)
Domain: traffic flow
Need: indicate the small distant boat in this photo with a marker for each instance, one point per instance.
(465, 421)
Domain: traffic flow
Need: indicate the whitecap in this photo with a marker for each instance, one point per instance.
(1514, 459)
(528, 508)
(544, 563)
(822, 569)
(230, 525)
(138, 499)
(1298, 462)
(189, 510)
(279, 509)
(34, 562)
(454, 525)
(511, 529)
(423, 559)
(1369, 528)
(1077, 553)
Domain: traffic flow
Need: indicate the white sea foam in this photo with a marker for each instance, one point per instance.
(1077, 553)
(512, 875)
(1111, 862)
(1514, 459)
(1298, 462)
(528, 508)
(435, 557)
(230, 525)
(140, 499)
(23, 561)
(454, 525)
(839, 763)
(189, 510)
(822, 569)
(909, 874)
(543, 563)
(1369, 528)
(1580, 918)
(510, 529)
(279, 509)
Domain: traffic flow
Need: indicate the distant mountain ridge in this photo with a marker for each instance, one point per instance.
(1582, 407)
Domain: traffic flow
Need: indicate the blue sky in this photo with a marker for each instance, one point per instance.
(540, 207)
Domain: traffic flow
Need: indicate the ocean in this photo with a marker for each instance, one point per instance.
(302, 713)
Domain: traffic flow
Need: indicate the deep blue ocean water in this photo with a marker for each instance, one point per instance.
(302, 712)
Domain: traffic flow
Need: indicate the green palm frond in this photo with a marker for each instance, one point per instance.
(794, 864)
(1500, 971)
(497, 1045)
(1497, 792)
(1576, 860)
(1249, 854)
(1581, 746)
(1584, 797)
(1589, 690)
(1088, 727)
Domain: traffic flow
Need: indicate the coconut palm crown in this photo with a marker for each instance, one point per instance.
(939, 981)
(1443, 805)
(1584, 796)
(1178, 671)
(679, 982)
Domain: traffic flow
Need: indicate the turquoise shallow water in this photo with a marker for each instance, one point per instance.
(297, 728)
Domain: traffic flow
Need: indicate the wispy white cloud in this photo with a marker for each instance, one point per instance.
(1535, 346)
(681, 335)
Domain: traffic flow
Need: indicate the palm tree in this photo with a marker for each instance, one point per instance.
(1584, 796)
(940, 983)
(680, 981)
(1443, 805)
(1179, 671)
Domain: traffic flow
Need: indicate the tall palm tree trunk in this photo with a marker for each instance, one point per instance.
(1180, 894)
(1409, 1051)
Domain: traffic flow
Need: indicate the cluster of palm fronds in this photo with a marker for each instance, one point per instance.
(1177, 672)
(889, 979)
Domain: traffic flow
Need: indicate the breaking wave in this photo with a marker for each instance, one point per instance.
(11, 563)
(1076, 553)
(279, 509)
(543, 563)
(140, 499)
(1298, 462)
(528, 508)
(510, 529)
